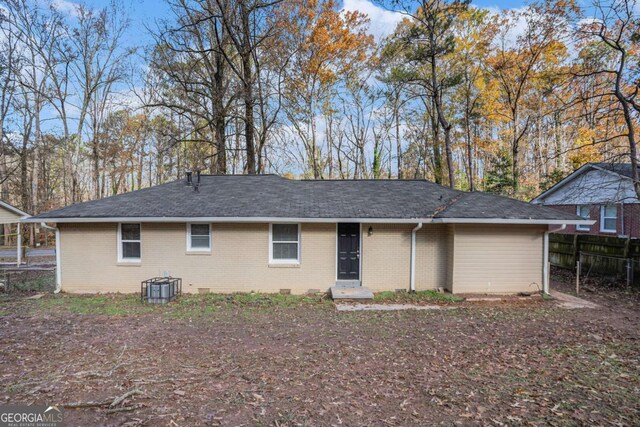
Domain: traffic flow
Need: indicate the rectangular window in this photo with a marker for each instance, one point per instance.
(608, 218)
(585, 212)
(199, 237)
(129, 242)
(285, 243)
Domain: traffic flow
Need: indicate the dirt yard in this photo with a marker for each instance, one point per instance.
(285, 361)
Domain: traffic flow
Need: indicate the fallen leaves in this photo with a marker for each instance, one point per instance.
(500, 365)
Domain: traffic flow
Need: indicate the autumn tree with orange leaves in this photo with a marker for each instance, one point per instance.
(320, 45)
(506, 100)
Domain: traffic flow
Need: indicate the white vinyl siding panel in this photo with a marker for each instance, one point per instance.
(610, 188)
(8, 217)
(497, 259)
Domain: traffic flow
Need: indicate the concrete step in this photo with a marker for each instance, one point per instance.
(359, 293)
(348, 283)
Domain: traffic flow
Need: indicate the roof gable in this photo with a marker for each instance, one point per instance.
(590, 184)
(10, 214)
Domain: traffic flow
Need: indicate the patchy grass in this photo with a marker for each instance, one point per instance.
(256, 359)
(429, 296)
(186, 306)
(109, 305)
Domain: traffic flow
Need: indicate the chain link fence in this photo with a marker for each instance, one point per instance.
(27, 280)
(598, 269)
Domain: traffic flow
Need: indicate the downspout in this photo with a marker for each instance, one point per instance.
(19, 244)
(545, 266)
(58, 265)
(412, 285)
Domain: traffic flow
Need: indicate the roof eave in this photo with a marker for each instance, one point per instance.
(514, 221)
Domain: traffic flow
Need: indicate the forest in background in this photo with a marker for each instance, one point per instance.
(507, 101)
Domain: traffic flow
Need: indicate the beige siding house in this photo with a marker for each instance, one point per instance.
(268, 234)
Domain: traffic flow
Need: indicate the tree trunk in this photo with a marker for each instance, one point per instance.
(396, 114)
(515, 152)
(446, 126)
(247, 81)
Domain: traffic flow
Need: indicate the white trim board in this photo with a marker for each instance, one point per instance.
(314, 220)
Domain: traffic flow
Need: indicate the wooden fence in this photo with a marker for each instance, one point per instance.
(611, 256)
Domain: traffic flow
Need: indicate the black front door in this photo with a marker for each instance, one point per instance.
(349, 251)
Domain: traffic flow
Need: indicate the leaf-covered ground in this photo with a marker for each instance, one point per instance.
(285, 361)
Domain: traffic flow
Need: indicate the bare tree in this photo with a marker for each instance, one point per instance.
(615, 27)
(189, 60)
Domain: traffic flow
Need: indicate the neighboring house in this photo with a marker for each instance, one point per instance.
(266, 233)
(602, 192)
(10, 215)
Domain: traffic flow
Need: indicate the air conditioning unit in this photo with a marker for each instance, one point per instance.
(160, 290)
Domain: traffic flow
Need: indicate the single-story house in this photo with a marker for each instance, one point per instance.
(602, 192)
(266, 233)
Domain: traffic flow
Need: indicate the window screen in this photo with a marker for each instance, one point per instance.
(130, 241)
(285, 243)
(609, 215)
(200, 236)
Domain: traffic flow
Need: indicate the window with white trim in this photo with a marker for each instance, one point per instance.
(284, 243)
(583, 211)
(608, 218)
(199, 237)
(129, 242)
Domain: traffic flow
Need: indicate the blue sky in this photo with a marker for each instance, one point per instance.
(145, 13)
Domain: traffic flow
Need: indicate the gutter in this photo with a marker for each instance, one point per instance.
(426, 220)
(58, 264)
(412, 280)
(545, 258)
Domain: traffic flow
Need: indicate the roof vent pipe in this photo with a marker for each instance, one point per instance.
(189, 179)
(196, 187)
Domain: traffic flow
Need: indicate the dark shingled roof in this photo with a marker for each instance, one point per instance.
(277, 197)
